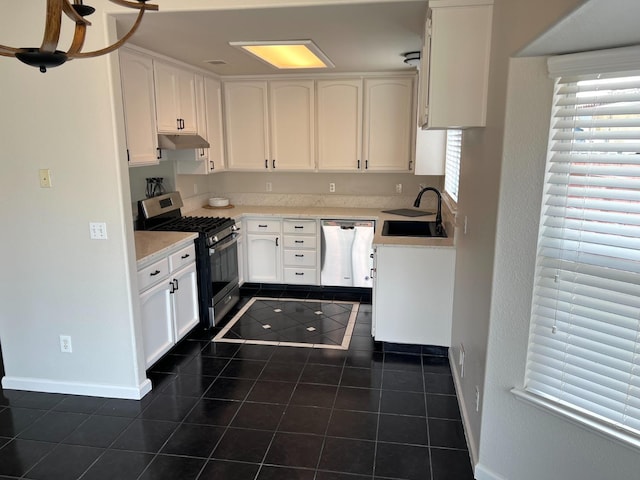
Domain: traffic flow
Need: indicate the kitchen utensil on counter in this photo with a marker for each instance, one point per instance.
(155, 187)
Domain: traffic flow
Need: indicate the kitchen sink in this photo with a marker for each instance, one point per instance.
(410, 228)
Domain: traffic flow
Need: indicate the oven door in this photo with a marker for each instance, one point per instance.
(223, 259)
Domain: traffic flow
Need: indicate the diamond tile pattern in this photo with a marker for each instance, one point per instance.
(322, 322)
(229, 411)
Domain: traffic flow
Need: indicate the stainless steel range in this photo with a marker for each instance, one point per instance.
(216, 251)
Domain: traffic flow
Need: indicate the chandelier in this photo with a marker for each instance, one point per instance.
(48, 55)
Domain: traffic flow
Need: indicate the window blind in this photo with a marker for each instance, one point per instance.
(452, 163)
(584, 349)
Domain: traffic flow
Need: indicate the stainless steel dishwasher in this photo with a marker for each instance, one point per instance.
(347, 253)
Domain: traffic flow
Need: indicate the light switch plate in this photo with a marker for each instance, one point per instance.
(45, 177)
(98, 230)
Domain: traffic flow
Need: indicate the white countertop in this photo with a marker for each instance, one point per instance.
(237, 212)
(152, 245)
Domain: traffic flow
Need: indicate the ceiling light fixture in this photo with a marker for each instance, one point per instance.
(412, 58)
(287, 54)
(48, 55)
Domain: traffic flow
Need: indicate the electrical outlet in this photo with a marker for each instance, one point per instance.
(477, 398)
(464, 229)
(332, 187)
(65, 344)
(98, 230)
(45, 177)
(398, 188)
(461, 360)
(269, 186)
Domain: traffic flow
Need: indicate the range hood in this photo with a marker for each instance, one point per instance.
(182, 142)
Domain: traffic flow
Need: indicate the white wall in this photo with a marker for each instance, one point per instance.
(515, 23)
(55, 279)
(519, 441)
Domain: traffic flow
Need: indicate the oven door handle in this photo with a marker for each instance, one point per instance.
(224, 244)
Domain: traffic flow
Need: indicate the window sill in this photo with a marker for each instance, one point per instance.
(603, 429)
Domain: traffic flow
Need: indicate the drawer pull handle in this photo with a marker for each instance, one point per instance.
(263, 226)
(298, 226)
(186, 255)
(299, 255)
(298, 273)
(298, 241)
(155, 273)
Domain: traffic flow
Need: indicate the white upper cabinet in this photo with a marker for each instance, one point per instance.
(270, 125)
(388, 124)
(365, 125)
(455, 64)
(292, 124)
(136, 74)
(339, 124)
(215, 136)
(204, 161)
(175, 99)
(246, 120)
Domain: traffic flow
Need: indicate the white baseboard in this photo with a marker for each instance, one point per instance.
(76, 388)
(483, 473)
(471, 442)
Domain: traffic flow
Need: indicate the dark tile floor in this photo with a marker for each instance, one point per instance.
(235, 412)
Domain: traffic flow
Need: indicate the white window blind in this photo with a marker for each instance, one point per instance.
(452, 163)
(584, 350)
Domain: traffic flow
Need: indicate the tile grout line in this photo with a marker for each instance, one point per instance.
(275, 431)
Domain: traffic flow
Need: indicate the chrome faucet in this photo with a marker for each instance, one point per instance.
(439, 229)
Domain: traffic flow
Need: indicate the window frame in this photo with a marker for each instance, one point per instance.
(624, 62)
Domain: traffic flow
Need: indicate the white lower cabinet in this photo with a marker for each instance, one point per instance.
(300, 260)
(168, 301)
(157, 322)
(413, 295)
(264, 246)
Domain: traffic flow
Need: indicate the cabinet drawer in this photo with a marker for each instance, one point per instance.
(294, 241)
(182, 257)
(306, 227)
(303, 258)
(263, 226)
(153, 273)
(300, 276)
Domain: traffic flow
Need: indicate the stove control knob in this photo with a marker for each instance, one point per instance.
(214, 239)
(235, 228)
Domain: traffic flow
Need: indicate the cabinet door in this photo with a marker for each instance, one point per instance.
(458, 84)
(185, 300)
(213, 103)
(167, 98)
(413, 295)
(157, 322)
(136, 74)
(292, 125)
(339, 124)
(389, 124)
(246, 121)
(264, 263)
(175, 99)
(201, 154)
(187, 110)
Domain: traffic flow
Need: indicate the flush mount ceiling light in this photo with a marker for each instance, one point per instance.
(47, 55)
(287, 54)
(412, 58)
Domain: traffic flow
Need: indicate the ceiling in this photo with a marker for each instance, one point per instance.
(367, 37)
(595, 25)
